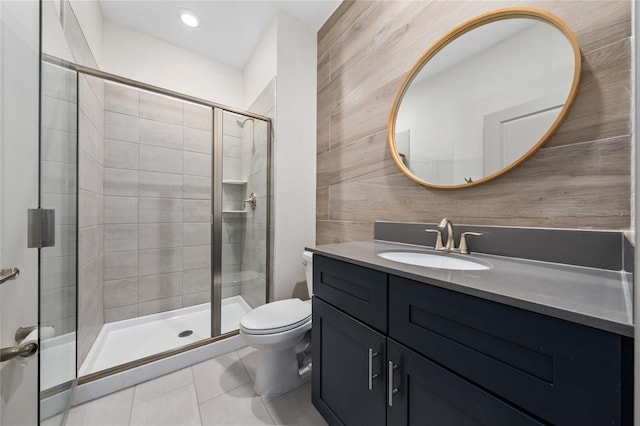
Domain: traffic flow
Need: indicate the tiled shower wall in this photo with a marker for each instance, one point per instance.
(90, 216)
(244, 230)
(234, 192)
(59, 159)
(157, 207)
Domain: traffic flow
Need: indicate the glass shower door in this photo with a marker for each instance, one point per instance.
(245, 213)
(58, 192)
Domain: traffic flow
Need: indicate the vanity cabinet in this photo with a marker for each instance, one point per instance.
(389, 350)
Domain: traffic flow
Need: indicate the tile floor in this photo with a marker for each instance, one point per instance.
(216, 392)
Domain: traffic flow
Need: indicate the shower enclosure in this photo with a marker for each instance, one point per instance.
(163, 209)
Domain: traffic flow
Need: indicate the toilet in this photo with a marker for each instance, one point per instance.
(281, 333)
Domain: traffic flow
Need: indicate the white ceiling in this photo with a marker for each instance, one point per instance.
(229, 29)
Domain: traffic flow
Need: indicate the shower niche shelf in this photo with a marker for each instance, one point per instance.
(234, 212)
(234, 182)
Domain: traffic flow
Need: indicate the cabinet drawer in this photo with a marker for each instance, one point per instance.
(564, 373)
(360, 291)
(429, 395)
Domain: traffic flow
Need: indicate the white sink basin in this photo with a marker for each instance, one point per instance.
(433, 260)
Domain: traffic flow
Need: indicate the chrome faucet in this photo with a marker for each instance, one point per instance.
(450, 246)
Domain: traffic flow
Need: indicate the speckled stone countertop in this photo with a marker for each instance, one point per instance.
(593, 297)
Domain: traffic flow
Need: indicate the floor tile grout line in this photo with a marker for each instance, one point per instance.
(133, 394)
(273, 422)
(164, 394)
(251, 379)
(226, 392)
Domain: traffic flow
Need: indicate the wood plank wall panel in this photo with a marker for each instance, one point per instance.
(580, 179)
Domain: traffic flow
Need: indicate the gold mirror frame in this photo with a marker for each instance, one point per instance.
(496, 15)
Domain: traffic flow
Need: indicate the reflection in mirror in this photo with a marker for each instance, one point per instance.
(485, 102)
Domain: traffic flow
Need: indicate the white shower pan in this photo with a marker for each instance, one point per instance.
(128, 340)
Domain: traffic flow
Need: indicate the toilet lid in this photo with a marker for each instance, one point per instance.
(276, 317)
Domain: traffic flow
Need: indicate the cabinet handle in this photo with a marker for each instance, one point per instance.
(391, 390)
(372, 376)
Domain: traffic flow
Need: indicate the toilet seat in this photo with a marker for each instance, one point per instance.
(276, 317)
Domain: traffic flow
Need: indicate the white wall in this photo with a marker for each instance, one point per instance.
(89, 16)
(19, 73)
(295, 152)
(262, 65)
(137, 56)
(53, 40)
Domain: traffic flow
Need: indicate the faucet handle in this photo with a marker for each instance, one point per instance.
(439, 245)
(463, 248)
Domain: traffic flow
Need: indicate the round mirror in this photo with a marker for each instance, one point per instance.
(484, 98)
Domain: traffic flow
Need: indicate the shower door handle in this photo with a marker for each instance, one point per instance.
(9, 274)
(24, 351)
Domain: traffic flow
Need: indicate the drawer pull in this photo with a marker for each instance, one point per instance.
(372, 376)
(391, 390)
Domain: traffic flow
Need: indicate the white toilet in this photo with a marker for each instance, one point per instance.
(280, 330)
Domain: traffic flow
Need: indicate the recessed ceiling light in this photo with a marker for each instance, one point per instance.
(188, 18)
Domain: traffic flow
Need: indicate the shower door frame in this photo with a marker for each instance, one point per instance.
(216, 210)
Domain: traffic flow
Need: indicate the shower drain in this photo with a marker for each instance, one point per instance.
(185, 333)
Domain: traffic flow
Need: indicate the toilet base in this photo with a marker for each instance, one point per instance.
(278, 372)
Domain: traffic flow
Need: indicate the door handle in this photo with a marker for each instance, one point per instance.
(9, 274)
(372, 376)
(24, 351)
(391, 390)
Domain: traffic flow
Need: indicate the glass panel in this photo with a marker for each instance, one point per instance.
(19, 106)
(58, 191)
(58, 167)
(244, 217)
(149, 197)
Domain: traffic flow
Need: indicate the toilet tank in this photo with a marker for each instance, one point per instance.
(307, 261)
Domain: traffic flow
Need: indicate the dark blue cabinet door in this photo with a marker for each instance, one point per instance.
(429, 395)
(340, 377)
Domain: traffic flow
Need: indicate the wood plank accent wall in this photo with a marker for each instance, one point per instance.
(580, 179)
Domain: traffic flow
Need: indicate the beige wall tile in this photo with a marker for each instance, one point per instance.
(158, 159)
(160, 235)
(121, 182)
(198, 116)
(198, 140)
(120, 209)
(120, 127)
(160, 134)
(196, 257)
(162, 286)
(120, 98)
(161, 108)
(160, 261)
(119, 293)
(121, 155)
(122, 264)
(161, 185)
(154, 210)
(120, 237)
